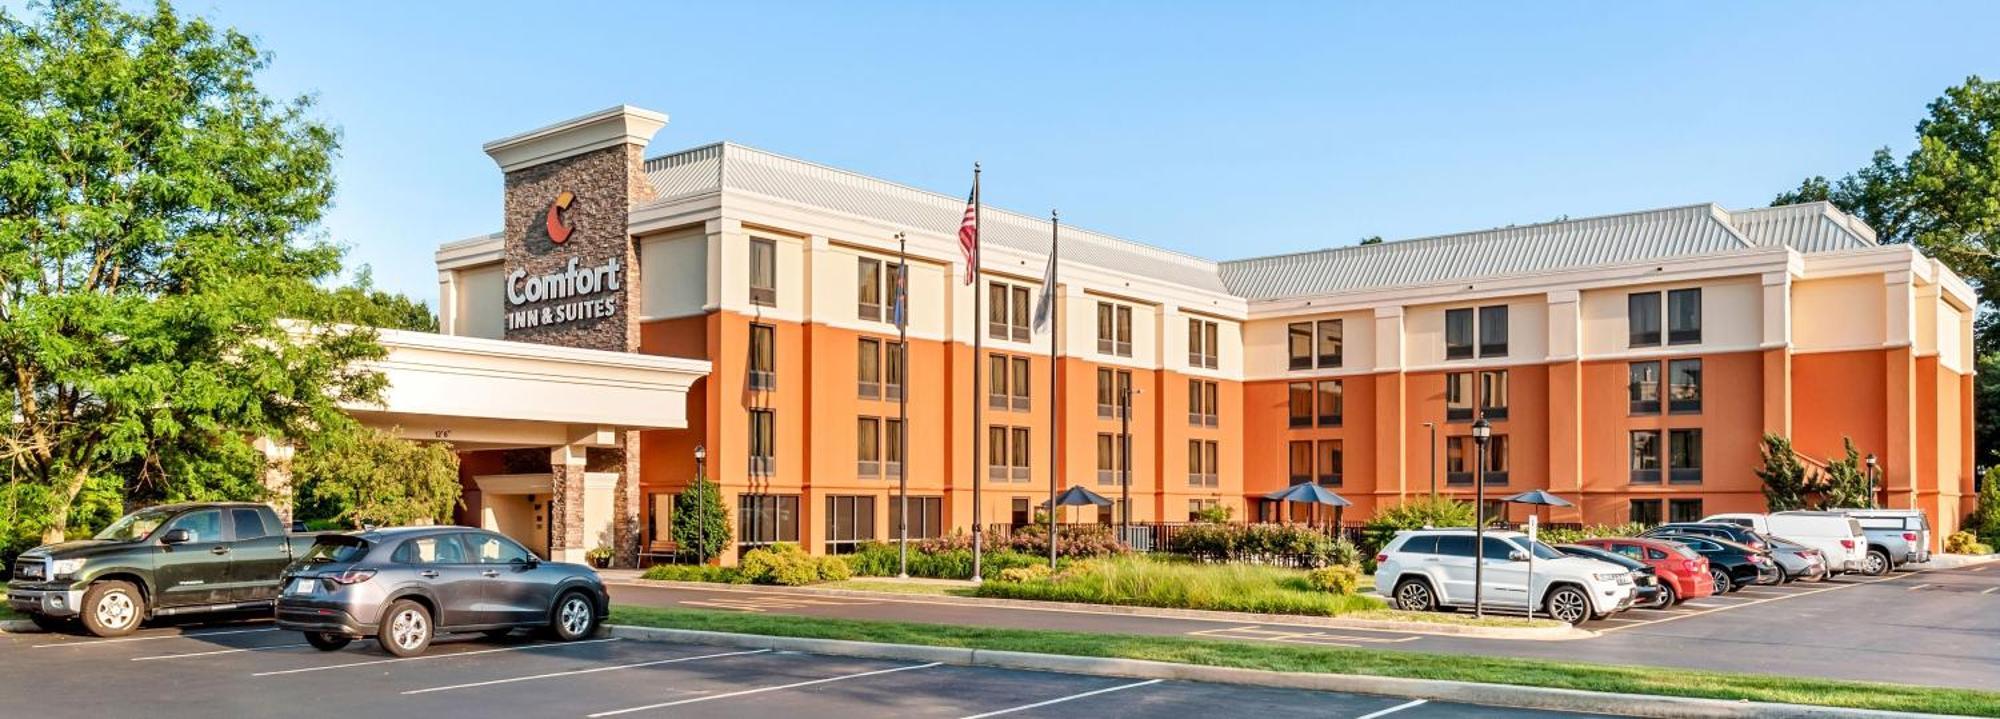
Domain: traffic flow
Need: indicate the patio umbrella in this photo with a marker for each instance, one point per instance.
(1536, 498)
(1078, 497)
(1313, 494)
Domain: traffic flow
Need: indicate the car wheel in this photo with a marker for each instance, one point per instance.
(1668, 597)
(1722, 583)
(406, 629)
(573, 617)
(327, 641)
(113, 609)
(1877, 563)
(1414, 595)
(1568, 605)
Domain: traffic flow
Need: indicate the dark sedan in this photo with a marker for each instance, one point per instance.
(1645, 580)
(1733, 565)
(405, 586)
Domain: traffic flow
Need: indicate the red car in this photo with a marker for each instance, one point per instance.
(1683, 573)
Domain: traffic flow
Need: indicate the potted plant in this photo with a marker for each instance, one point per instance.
(600, 557)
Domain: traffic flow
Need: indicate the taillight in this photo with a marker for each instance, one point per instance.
(1754, 544)
(1380, 558)
(1847, 543)
(1688, 565)
(351, 576)
(1909, 536)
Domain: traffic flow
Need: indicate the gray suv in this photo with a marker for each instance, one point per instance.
(405, 586)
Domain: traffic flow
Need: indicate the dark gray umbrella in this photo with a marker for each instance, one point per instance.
(1079, 497)
(1312, 494)
(1539, 498)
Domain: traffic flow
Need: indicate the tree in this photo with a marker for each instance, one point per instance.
(1985, 520)
(1846, 484)
(1786, 482)
(701, 522)
(1372, 240)
(359, 303)
(157, 217)
(365, 477)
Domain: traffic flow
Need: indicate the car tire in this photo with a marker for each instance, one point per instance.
(406, 629)
(113, 609)
(1568, 605)
(1668, 597)
(573, 617)
(1877, 563)
(328, 641)
(1415, 595)
(1722, 583)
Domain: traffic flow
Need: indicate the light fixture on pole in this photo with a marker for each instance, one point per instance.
(1125, 461)
(1871, 480)
(701, 503)
(1481, 434)
(1433, 427)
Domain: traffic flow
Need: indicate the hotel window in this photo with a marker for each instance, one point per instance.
(764, 519)
(868, 447)
(1111, 459)
(868, 289)
(1496, 460)
(1684, 386)
(763, 357)
(1493, 331)
(1458, 461)
(1646, 456)
(892, 438)
(1330, 461)
(892, 355)
(1114, 388)
(1458, 334)
(1299, 344)
(1684, 456)
(1114, 329)
(763, 272)
(1301, 462)
(1684, 316)
(1645, 511)
(1493, 394)
(1642, 319)
(1018, 512)
(1330, 336)
(1203, 409)
(1645, 385)
(660, 520)
(1458, 396)
(1202, 466)
(926, 517)
(1203, 341)
(763, 443)
(1007, 382)
(1007, 312)
(1331, 402)
(850, 520)
(1684, 510)
(1008, 453)
(1301, 402)
(868, 368)
(1197, 506)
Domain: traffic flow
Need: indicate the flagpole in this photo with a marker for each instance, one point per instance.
(903, 406)
(1055, 412)
(978, 361)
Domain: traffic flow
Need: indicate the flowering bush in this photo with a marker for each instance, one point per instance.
(1337, 579)
(1254, 542)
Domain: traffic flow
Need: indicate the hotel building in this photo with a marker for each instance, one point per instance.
(738, 300)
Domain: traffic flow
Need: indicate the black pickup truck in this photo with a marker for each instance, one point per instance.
(159, 561)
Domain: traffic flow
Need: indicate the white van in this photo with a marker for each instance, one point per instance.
(1837, 536)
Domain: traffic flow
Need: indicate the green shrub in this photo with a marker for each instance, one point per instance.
(783, 563)
(1414, 514)
(1985, 521)
(1215, 514)
(1151, 582)
(695, 573)
(834, 569)
(876, 559)
(1338, 579)
(1963, 542)
(1566, 535)
(1261, 541)
(1025, 574)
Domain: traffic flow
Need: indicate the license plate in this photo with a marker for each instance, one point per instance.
(302, 585)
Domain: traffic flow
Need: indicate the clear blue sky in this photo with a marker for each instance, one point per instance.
(1223, 129)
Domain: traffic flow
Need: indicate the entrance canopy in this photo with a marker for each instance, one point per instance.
(480, 393)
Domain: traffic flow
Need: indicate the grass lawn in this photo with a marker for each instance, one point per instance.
(1340, 660)
(892, 586)
(1147, 582)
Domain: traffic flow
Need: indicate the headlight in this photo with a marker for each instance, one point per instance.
(1611, 576)
(65, 567)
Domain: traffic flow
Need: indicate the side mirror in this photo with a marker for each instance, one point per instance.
(177, 536)
(1517, 556)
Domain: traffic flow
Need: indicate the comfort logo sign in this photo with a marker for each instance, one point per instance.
(558, 219)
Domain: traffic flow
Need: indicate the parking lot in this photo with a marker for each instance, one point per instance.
(253, 669)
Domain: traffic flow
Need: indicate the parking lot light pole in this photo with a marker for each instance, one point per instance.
(701, 503)
(1481, 433)
(1871, 480)
(1433, 427)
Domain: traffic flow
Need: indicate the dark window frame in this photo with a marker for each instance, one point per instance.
(1675, 403)
(1679, 470)
(1643, 319)
(1679, 333)
(1489, 347)
(1641, 474)
(1329, 360)
(1321, 412)
(1300, 398)
(1460, 329)
(1636, 403)
(1299, 345)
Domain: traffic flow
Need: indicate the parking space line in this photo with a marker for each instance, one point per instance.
(215, 652)
(1915, 588)
(1394, 709)
(90, 642)
(1989, 590)
(1836, 585)
(549, 645)
(760, 690)
(1059, 700)
(592, 670)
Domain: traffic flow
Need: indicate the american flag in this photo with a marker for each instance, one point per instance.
(968, 234)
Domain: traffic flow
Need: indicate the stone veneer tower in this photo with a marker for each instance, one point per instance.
(572, 276)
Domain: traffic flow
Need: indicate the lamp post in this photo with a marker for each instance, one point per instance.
(1871, 480)
(701, 503)
(1125, 461)
(1432, 426)
(1481, 434)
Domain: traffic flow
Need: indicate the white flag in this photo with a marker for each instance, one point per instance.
(1045, 305)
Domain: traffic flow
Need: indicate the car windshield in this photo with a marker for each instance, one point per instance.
(135, 526)
(1542, 551)
(336, 548)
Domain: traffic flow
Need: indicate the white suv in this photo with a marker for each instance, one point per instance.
(1426, 569)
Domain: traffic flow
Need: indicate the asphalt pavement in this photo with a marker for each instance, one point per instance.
(252, 669)
(1927, 627)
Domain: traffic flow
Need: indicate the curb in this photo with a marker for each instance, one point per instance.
(1524, 697)
(1564, 633)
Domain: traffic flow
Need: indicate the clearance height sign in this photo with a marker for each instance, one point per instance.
(576, 292)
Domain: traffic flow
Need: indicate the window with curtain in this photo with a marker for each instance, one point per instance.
(1493, 331)
(1458, 334)
(763, 272)
(1301, 403)
(1642, 319)
(1299, 344)
(1301, 462)
(1331, 402)
(1684, 316)
(1330, 343)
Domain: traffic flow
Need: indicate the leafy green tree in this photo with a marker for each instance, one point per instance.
(1786, 480)
(1846, 483)
(1415, 513)
(1985, 520)
(360, 303)
(1372, 240)
(701, 522)
(364, 477)
(157, 220)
